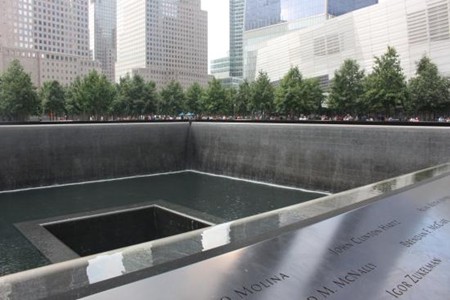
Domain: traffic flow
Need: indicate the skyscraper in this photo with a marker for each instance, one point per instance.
(50, 38)
(162, 40)
(102, 34)
(237, 9)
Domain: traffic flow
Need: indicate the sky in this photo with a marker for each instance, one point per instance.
(218, 27)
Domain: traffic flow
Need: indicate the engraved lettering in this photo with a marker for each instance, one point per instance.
(425, 232)
(358, 240)
(433, 204)
(353, 275)
(246, 292)
(273, 279)
(340, 249)
(342, 281)
(413, 278)
(389, 225)
(258, 287)
(327, 292)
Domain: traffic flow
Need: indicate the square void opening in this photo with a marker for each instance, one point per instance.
(109, 231)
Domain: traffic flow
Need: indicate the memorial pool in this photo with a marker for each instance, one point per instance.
(221, 197)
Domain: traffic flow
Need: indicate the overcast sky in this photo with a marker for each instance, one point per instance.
(218, 28)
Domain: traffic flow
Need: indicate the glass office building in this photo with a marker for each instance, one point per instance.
(262, 13)
(237, 9)
(340, 7)
(102, 34)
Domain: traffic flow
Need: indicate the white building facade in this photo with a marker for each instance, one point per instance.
(162, 40)
(49, 38)
(413, 27)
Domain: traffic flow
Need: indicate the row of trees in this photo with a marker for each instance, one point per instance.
(385, 92)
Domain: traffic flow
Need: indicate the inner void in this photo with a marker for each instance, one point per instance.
(223, 198)
(117, 229)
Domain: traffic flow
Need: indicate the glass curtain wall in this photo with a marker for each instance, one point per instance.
(262, 13)
(340, 7)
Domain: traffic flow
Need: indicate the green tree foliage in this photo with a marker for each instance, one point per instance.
(172, 99)
(295, 95)
(313, 96)
(135, 97)
(194, 98)
(18, 97)
(74, 105)
(429, 92)
(53, 99)
(385, 87)
(347, 89)
(215, 99)
(230, 101)
(288, 95)
(262, 96)
(243, 99)
(91, 95)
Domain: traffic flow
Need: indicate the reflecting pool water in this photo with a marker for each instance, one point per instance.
(221, 197)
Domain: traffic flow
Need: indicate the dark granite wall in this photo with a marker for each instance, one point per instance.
(324, 157)
(54, 154)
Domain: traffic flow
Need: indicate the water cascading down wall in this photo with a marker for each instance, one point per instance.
(313, 156)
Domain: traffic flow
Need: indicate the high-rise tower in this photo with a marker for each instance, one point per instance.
(237, 10)
(49, 37)
(162, 40)
(102, 33)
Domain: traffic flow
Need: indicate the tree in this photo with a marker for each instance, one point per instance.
(429, 92)
(347, 89)
(230, 101)
(243, 99)
(288, 95)
(385, 87)
(147, 103)
(262, 96)
(312, 96)
(120, 106)
(172, 99)
(135, 97)
(74, 95)
(53, 99)
(18, 97)
(194, 96)
(215, 99)
(91, 95)
(295, 95)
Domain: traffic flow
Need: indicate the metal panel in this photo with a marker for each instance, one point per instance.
(397, 247)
